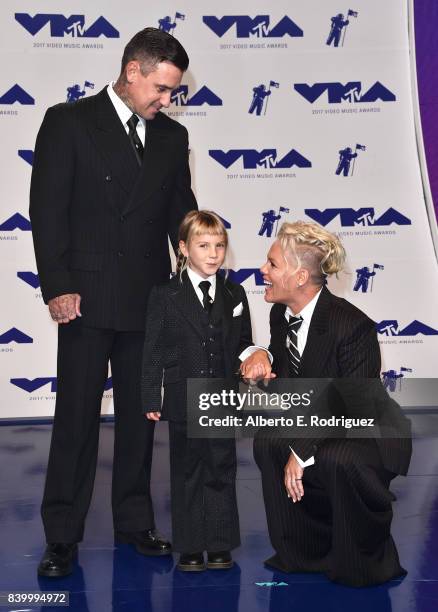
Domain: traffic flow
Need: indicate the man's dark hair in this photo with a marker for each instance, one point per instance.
(152, 46)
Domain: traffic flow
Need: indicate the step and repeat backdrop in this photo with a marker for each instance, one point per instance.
(295, 110)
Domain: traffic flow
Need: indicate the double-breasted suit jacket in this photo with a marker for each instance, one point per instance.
(100, 223)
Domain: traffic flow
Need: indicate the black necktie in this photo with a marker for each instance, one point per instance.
(207, 302)
(135, 138)
(294, 357)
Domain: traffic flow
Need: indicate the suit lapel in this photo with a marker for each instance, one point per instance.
(278, 341)
(223, 306)
(113, 142)
(319, 341)
(186, 301)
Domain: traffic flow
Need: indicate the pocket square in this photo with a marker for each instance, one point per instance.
(237, 310)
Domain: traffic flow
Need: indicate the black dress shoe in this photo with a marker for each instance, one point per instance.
(191, 562)
(147, 542)
(57, 560)
(219, 560)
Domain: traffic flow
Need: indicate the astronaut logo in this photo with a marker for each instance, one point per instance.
(338, 28)
(166, 24)
(365, 278)
(346, 156)
(390, 377)
(269, 218)
(260, 98)
(75, 92)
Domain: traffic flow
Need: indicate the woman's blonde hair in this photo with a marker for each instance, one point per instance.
(198, 222)
(313, 248)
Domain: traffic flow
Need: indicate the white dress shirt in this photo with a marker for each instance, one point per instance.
(195, 280)
(125, 113)
(306, 314)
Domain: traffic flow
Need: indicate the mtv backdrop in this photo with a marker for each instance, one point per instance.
(295, 111)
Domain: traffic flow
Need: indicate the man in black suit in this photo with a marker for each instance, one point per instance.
(110, 183)
(327, 500)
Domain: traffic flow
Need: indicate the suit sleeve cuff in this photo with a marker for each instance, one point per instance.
(252, 349)
(310, 461)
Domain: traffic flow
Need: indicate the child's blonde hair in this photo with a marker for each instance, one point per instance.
(198, 222)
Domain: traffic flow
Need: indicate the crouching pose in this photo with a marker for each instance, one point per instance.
(327, 500)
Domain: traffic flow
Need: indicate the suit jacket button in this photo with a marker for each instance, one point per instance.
(108, 178)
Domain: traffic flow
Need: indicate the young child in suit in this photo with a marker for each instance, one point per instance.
(198, 326)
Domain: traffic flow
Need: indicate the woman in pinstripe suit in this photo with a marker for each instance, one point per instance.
(327, 499)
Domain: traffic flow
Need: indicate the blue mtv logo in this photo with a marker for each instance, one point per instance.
(390, 327)
(17, 221)
(15, 335)
(181, 97)
(16, 94)
(243, 274)
(71, 26)
(350, 217)
(31, 385)
(351, 92)
(259, 26)
(27, 155)
(266, 158)
(30, 278)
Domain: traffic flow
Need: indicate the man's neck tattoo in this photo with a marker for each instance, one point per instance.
(120, 90)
